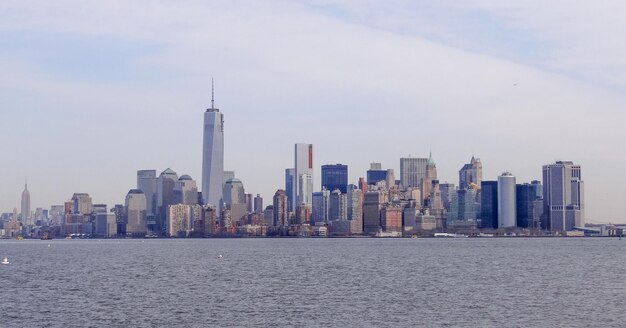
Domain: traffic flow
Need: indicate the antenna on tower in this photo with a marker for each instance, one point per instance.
(212, 94)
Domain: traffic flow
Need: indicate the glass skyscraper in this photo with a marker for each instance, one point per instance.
(213, 156)
(335, 177)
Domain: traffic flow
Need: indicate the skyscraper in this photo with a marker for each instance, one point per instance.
(289, 188)
(26, 217)
(81, 203)
(303, 175)
(213, 155)
(412, 171)
(335, 177)
(135, 210)
(185, 191)
(489, 204)
(281, 216)
(147, 182)
(471, 174)
(507, 213)
(563, 196)
(165, 197)
(258, 204)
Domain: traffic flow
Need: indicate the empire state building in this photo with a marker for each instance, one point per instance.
(213, 155)
(26, 218)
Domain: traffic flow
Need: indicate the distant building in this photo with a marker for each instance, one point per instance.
(185, 191)
(258, 204)
(147, 182)
(391, 218)
(412, 171)
(464, 206)
(563, 196)
(213, 156)
(303, 174)
(507, 214)
(372, 204)
(529, 205)
(447, 190)
(165, 197)
(335, 177)
(26, 215)
(81, 203)
(320, 211)
(354, 198)
(179, 220)
(471, 174)
(489, 205)
(281, 214)
(290, 182)
(338, 209)
(136, 211)
(229, 175)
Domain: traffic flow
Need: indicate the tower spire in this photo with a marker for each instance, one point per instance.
(212, 94)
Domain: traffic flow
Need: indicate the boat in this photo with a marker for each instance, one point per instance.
(219, 256)
(19, 237)
(5, 260)
(449, 235)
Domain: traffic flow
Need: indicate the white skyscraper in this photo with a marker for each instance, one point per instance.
(507, 215)
(213, 156)
(303, 178)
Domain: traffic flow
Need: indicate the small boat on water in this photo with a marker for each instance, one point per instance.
(219, 256)
(5, 260)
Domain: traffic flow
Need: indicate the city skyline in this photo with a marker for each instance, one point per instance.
(84, 108)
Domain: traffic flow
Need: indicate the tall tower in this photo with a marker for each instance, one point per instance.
(563, 196)
(507, 215)
(303, 175)
(471, 174)
(26, 218)
(213, 155)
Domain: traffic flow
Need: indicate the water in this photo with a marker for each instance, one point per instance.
(542, 282)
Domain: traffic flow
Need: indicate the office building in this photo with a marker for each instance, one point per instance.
(147, 182)
(179, 220)
(26, 215)
(290, 183)
(213, 156)
(335, 177)
(563, 196)
(165, 197)
(281, 214)
(489, 205)
(258, 204)
(529, 205)
(412, 171)
(338, 207)
(471, 174)
(185, 191)
(320, 211)
(507, 213)
(303, 174)
(135, 209)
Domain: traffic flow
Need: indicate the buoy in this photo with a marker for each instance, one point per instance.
(219, 256)
(5, 260)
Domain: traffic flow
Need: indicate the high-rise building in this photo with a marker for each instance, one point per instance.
(372, 203)
(179, 220)
(303, 174)
(430, 175)
(135, 209)
(463, 206)
(281, 215)
(81, 203)
(165, 197)
(376, 176)
(563, 196)
(471, 174)
(507, 214)
(290, 183)
(447, 190)
(338, 206)
(529, 205)
(185, 191)
(355, 209)
(376, 166)
(234, 192)
(229, 175)
(249, 203)
(412, 171)
(320, 213)
(26, 215)
(258, 204)
(335, 177)
(489, 204)
(213, 156)
(147, 182)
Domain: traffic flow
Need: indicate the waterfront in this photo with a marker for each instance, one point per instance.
(540, 282)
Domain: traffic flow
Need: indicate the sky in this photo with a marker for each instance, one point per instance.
(92, 91)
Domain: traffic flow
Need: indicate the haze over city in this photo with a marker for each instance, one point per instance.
(92, 92)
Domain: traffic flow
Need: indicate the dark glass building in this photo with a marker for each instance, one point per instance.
(375, 176)
(528, 211)
(489, 204)
(335, 177)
